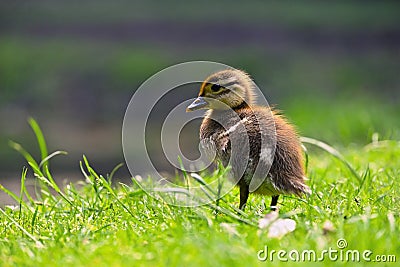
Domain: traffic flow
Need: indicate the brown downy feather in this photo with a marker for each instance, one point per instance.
(286, 173)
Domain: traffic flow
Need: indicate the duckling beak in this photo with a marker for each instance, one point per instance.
(198, 103)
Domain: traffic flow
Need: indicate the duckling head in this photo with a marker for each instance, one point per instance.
(229, 88)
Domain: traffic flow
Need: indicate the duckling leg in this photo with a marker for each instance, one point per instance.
(274, 202)
(244, 195)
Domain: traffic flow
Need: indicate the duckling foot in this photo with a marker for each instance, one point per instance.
(274, 203)
(244, 195)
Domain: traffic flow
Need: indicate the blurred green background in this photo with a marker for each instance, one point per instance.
(332, 67)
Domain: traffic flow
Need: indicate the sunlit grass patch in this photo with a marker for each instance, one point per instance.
(97, 222)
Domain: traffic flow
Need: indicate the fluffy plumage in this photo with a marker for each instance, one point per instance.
(233, 117)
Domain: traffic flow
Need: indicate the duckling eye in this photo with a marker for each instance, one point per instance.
(216, 87)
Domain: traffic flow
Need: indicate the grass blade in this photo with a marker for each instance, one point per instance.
(20, 227)
(40, 139)
(21, 194)
(28, 157)
(333, 152)
(46, 159)
(11, 194)
(104, 183)
(111, 175)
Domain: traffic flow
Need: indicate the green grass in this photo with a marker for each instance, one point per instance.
(97, 223)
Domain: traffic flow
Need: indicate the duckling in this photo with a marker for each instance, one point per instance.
(233, 90)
